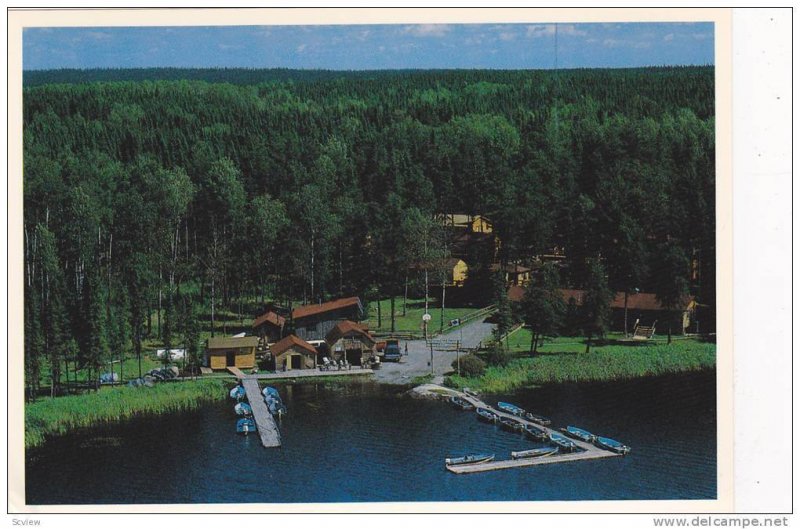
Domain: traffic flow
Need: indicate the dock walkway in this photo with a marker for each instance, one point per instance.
(265, 422)
(588, 450)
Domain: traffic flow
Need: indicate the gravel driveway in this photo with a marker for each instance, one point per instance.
(417, 362)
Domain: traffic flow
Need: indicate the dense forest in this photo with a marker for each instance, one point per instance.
(184, 193)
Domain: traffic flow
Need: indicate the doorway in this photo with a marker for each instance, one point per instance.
(296, 362)
(230, 359)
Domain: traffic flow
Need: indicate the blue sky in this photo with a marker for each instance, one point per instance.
(359, 47)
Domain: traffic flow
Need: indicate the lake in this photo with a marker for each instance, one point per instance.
(364, 442)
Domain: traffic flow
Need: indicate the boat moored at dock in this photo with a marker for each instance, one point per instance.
(534, 432)
(237, 393)
(538, 419)
(461, 404)
(611, 444)
(511, 408)
(535, 452)
(243, 408)
(511, 425)
(579, 433)
(562, 442)
(486, 415)
(245, 426)
(468, 460)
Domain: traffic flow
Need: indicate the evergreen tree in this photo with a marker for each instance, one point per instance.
(595, 310)
(543, 308)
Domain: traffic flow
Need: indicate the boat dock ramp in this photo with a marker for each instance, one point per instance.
(265, 422)
(587, 450)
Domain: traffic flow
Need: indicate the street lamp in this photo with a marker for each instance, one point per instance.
(425, 319)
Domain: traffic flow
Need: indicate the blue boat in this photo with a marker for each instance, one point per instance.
(276, 406)
(237, 393)
(611, 444)
(511, 408)
(579, 433)
(535, 432)
(243, 408)
(269, 391)
(562, 442)
(245, 426)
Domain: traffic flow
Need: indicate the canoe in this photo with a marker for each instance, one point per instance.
(544, 421)
(535, 432)
(461, 404)
(486, 415)
(245, 426)
(611, 444)
(562, 442)
(468, 460)
(237, 393)
(511, 424)
(535, 452)
(511, 408)
(243, 408)
(579, 433)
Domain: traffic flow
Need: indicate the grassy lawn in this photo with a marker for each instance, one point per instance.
(47, 417)
(412, 321)
(564, 360)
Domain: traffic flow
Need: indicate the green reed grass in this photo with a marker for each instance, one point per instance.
(611, 362)
(49, 417)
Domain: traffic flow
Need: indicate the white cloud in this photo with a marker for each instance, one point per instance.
(641, 45)
(548, 30)
(540, 30)
(300, 48)
(669, 36)
(700, 36)
(612, 43)
(362, 35)
(427, 30)
(507, 35)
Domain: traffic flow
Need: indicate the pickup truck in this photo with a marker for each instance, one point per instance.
(392, 352)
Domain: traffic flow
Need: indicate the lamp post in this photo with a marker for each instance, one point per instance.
(425, 319)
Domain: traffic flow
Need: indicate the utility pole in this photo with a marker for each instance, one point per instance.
(431, 344)
(458, 356)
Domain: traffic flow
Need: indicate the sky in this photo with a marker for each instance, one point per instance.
(373, 47)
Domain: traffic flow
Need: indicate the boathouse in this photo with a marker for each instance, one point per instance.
(313, 322)
(352, 341)
(293, 353)
(224, 352)
(269, 326)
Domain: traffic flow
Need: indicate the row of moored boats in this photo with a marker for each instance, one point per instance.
(246, 424)
(558, 441)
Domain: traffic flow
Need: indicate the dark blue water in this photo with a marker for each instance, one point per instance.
(362, 442)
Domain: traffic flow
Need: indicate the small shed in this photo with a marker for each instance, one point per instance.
(352, 341)
(224, 352)
(294, 353)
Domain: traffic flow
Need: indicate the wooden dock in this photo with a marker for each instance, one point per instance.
(265, 422)
(588, 450)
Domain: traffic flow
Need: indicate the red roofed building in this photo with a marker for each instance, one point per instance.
(643, 307)
(269, 326)
(314, 322)
(293, 353)
(351, 340)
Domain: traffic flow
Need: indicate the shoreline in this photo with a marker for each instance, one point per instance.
(48, 418)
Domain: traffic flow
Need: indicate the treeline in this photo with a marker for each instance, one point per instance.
(179, 197)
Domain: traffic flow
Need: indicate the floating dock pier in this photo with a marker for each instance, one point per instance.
(265, 422)
(587, 450)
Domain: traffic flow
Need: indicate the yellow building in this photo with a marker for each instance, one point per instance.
(456, 272)
(472, 223)
(225, 352)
